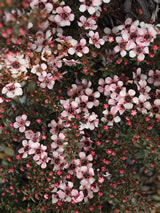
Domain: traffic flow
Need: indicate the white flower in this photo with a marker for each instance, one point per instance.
(16, 64)
(106, 1)
(12, 90)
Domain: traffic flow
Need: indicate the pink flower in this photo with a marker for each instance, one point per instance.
(133, 112)
(1, 100)
(146, 35)
(106, 1)
(39, 69)
(54, 198)
(12, 90)
(21, 122)
(84, 160)
(58, 141)
(90, 6)
(47, 81)
(64, 16)
(123, 46)
(29, 134)
(65, 192)
(40, 39)
(69, 110)
(137, 76)
(55, 62)
(110, 117)
(126, 98)
(91, 121)
(86, 143)
(25, 149)
(58, 161)
(78, 48)
(94, 39)
(81, 104)
(17, 64)
(87, 24)
(92, 98)
(77, 196)
(38, 150)
(86, 175)
(43, 160)
(55, 126)
(143, 88)
(154, 77)
(142, 105)
(140, 52)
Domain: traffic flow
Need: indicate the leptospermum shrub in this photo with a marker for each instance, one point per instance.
(79, 105)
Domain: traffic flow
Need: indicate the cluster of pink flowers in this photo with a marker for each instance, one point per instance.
(82, 103)
(91, 5)
(31, 146)
(134, 38)
(89, 102)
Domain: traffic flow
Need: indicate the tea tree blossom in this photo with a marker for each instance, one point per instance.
(91, 121)
(41, 38)
(147, 35)
(39, 69)
(74, 151)
(86, 174)
(123, 46)
(92, 97)
(17, 64)
(90, 6)
(64, 16)
(140, 52)
(25, 149)
(39, 151)
(142, 104)
(12, 90)
(138, 75)
(77, 196)
(21, 123)
(87, 24)
(56, 127)
(43, 161)
(154, 77)
(58, 141)
(106, 1)
(126, 98)
(95, 40)
(144, 89)
(110, 117)
(78, 48)
(46, 81)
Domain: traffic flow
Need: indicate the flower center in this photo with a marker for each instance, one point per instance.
(109, 117)
(133, 35)
(59, 142)
(16, 65)
(86, 175)
(82, 104)
(128, 98)
(64, 15)
(155, 109)
(91, 98)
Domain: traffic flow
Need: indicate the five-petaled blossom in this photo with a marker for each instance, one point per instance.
(64, 16)
(12, 90)
(21, 123)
